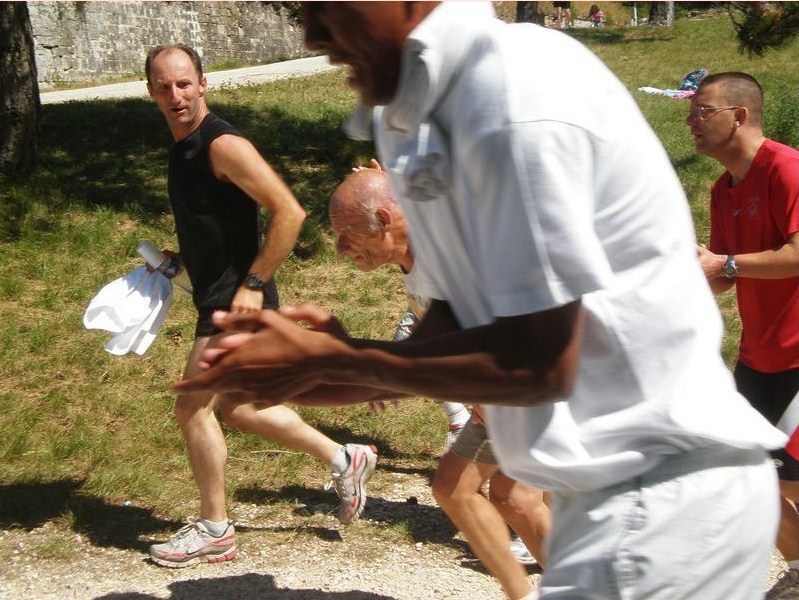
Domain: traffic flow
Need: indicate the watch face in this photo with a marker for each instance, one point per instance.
(730, 268)
(253, 282)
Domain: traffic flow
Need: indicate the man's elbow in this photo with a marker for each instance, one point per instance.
(298, 213)
(530, 388)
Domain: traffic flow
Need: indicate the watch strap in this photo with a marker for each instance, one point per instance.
(253, 282)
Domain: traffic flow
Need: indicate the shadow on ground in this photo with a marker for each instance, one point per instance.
(424, 523)
(29, 505)
(243, 587)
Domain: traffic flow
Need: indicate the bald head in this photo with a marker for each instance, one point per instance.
(360, 195)
(369, 222)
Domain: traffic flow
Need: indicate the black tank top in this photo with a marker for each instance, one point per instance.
(218, 225)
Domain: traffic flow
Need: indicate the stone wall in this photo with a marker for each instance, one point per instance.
(91, 41)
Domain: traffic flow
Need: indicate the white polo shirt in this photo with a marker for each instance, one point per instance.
(530, 182)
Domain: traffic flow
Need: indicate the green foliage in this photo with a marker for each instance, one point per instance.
(764, 25)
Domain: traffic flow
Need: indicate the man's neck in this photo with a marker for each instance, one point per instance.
(181, 131)
(739, 158)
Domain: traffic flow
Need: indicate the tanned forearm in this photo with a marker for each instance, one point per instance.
(503, 363)
(280, 239)
(780, 263)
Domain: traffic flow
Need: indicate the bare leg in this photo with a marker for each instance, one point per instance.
(788, 535)
(205, 442)
(279, 424)
(456, 487)
(523, 508)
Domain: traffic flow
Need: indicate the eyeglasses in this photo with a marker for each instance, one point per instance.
(703, 113)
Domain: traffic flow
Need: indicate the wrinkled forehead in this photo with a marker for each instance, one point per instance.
(351, 223)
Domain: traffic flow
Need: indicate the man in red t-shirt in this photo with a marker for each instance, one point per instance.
(754, 245)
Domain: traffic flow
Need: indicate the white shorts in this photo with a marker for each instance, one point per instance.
(700, 526)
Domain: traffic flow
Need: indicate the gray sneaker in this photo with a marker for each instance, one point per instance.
(193, 544)
(786, 588)
(351, 484)
(520, 552)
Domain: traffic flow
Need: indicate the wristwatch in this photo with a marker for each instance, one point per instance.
(730, 268)
(253, 282)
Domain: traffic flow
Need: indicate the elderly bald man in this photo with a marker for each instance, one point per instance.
(372, 231)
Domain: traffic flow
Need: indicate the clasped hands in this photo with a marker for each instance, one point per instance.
(268, 356)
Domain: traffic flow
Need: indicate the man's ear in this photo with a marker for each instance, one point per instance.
(384, 216)
(203, 85)
(741, 115)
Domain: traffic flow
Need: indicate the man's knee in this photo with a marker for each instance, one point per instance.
(192, 406)
(456, 480)
(443, 485)
(510, 497)
(237, 416)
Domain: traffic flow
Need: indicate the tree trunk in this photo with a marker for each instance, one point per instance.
(527, 12)
(19, 90)
(661, 13)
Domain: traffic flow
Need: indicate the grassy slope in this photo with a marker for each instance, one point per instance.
(72, 415)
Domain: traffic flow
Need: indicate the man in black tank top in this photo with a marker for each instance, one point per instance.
(218, 183)
(218, 226)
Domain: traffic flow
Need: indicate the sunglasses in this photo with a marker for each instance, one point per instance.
(703, 113)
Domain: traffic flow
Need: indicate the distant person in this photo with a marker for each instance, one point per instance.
(372, 231)
(754, 247)
(596, 16)
(217, 184)
(555, 238)
(563, 14)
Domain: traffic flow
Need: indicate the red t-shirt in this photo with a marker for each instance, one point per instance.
(759, 214)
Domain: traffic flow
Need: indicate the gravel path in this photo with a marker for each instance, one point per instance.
(402, 549)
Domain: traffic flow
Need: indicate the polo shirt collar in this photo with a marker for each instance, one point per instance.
(433, 53)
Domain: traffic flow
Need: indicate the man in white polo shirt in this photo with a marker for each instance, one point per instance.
(557, 241)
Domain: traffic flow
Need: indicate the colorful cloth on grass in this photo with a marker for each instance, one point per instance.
(688, 86)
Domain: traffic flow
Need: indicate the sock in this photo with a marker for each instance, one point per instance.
(340, 461)
(215, 528)
(793, 564)
(456, 412)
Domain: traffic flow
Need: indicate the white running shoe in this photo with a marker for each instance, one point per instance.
(520, 552)
(351, 484)
(193, 544)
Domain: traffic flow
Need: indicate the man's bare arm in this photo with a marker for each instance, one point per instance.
(522, 360)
